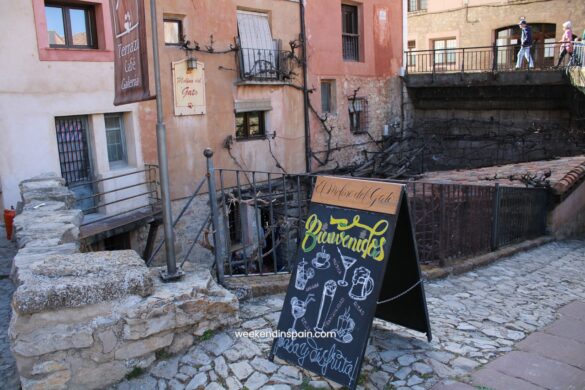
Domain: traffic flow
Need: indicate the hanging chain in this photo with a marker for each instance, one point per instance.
(402, 293)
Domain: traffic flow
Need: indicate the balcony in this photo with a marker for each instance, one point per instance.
(265, 65)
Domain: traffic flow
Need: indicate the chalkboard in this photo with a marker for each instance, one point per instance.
(356, 249)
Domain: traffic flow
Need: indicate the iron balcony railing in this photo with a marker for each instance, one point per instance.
(135, 191)
(264, 64)
(495, 58)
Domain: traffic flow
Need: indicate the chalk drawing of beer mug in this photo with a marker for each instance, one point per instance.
(362, 284)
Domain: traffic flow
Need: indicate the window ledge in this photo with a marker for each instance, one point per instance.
(417, 12)
(257, 138)
(66, 54)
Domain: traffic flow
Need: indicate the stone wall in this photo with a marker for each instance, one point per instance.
(85, 320)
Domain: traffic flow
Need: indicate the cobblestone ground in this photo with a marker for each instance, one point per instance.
(474, 317)
(7, 365)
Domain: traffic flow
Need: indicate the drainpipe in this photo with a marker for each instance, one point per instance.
(305, 89)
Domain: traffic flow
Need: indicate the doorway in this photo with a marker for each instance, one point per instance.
(75, 161)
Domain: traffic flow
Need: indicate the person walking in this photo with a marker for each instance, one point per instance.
(566, 43)
(525, 44)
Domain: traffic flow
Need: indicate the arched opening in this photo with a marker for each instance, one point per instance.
(543, 48)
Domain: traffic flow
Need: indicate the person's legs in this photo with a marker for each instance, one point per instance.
(561, 56)
(520, 57)
(529, 57)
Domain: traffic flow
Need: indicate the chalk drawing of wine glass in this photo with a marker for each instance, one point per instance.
(347, 263)
(298, 309)
(304, 273)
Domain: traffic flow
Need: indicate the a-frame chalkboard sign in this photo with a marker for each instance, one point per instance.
(357, 259)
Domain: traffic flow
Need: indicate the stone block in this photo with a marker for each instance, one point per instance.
(65, 281)
(56, 381)
(142, 347)
(55, 338)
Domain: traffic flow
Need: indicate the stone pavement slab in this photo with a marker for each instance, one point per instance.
(545, 372)
(569, 328)
(554, 347)
(575, 310)
(496, 380)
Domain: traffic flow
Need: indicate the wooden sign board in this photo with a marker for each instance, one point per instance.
(188, 89)
(357, 249)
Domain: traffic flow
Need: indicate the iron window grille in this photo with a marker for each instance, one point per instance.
(350, 32)
(417, 5)
(71, 25)
(173, 32)
(250, 125)
(358, 115)
(115, 138)
(72, 144)
(234, 223)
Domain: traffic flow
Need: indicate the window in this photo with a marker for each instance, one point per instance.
(173, 32)
(417, 5)
(115, 139)
(259, 54)
(444, 53)
(358, 115)
(234, 222)
(411, 56)
(328, 96)
(250, 124)
(70, 26)
(350, 32)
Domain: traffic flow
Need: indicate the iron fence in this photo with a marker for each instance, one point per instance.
(495, 58)
(261, 215)
(351, 47)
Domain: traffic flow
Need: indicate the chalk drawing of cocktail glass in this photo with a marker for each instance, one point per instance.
(304, 273)
(347, 263)
(326, 301)
(299, 308)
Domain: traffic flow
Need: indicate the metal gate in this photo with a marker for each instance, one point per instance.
(74, 158)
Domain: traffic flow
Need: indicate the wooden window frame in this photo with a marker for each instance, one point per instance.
(347, 37)
(421, 5)
(90, 25)
(179, 22)
(122, 130)
(261, 125)
(331, 106)
(411, 56)
(446, 52)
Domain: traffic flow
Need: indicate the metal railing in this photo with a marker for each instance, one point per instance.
(493, 58)
(261, 215)
(264, 64)
(141, 193)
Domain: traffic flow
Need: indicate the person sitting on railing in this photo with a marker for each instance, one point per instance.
(525, 44)
(566, 43)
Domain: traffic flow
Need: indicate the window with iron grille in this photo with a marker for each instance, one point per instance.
(327, 96)
(358, 115)
(350, 34)
(417, 5)
(116, 139)
(72, 144)
(70, 25)
(445, 51)
(250, 124)
(411, 56)
(173, 32)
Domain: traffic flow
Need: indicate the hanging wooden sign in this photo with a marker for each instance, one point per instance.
(189, 88)
(130, 55)
(357, 260)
